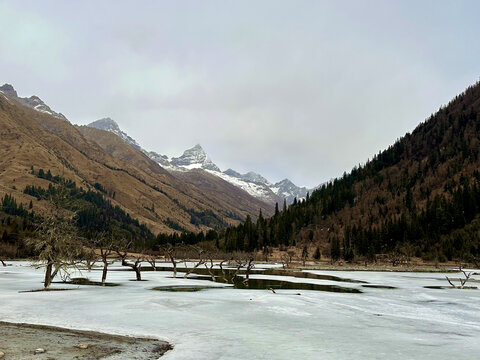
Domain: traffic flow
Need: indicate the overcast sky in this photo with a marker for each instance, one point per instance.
(297, 89)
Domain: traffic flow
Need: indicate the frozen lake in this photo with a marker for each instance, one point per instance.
(408, 322)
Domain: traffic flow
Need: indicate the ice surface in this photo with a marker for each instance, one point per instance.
(409, 322)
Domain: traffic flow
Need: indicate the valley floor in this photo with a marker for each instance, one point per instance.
(394, 315)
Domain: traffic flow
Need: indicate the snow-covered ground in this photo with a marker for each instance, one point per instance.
(409, 322)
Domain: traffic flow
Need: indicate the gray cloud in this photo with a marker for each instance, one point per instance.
(303, 89)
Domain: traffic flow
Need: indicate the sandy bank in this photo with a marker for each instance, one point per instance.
(19, 342)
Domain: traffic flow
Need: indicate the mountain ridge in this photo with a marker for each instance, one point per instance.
(196, 158)
(32, 140)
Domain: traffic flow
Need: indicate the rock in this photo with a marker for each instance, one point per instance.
(39, 351)
(2, 354)
(81, 346)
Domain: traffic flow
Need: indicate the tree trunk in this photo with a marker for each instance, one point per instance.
(3, 262)
(48, 276)
(138, 273)
(104, 274)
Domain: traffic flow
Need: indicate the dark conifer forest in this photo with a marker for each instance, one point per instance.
(421, 194)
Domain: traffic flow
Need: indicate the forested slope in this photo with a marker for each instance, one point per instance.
(420, 196)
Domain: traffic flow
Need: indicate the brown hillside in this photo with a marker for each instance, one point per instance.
(32, 139)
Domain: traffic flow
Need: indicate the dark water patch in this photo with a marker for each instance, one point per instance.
(46, 290)
(230, 271)
(266, 284)
(84, 281)
(379, 286)
(450, 287)
(308, 275)
(437, 287)
(183, 288)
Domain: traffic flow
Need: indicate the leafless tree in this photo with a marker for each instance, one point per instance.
(135, 263)
(304, 254)
(285, 259)
(200, 260)
(90, 257)
(290, 254)
(462, 281)
(152, 260)
(224, 273)
(170, 253)
(398, 257)
(105, 244)
(57, 246)
(209, 265)
(249, 267)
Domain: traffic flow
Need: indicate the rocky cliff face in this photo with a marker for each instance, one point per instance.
(195, 158)
(108, 124)
(33, 102)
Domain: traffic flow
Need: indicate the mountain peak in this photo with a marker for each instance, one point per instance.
(33, 102)
(108, 124)
(284, 182)
(194, 158)
(8, 90)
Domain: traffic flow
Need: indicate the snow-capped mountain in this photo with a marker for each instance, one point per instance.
(196, 158)
(108, 124)
(33, 102)
(284, 189)
(163, 160)
(289, 191)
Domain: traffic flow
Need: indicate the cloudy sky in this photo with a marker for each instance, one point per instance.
(297, 89)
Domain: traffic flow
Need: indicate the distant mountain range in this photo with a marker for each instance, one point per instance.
(196, 158)
(193, 158)
(109, 176)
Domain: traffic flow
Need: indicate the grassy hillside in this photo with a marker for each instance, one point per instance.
(132, 182)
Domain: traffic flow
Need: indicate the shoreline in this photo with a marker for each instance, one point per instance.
(328, 266)
(20, 340)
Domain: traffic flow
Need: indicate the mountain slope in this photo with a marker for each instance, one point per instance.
(420, 197)
(32, 139)
(233, 203)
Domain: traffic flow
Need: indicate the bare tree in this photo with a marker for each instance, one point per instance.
(249, 265)
(170, 253)
(285, 259)
(224, 273)
(398, 256)
(199, 261)
(304, 254)
(152, 260)
(105, 244)
(57, 247)
(135, 264)
(209, 266)
(462, 281)
(290, 254)
(90, 257)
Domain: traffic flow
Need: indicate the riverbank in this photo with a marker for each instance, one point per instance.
(20, 342)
